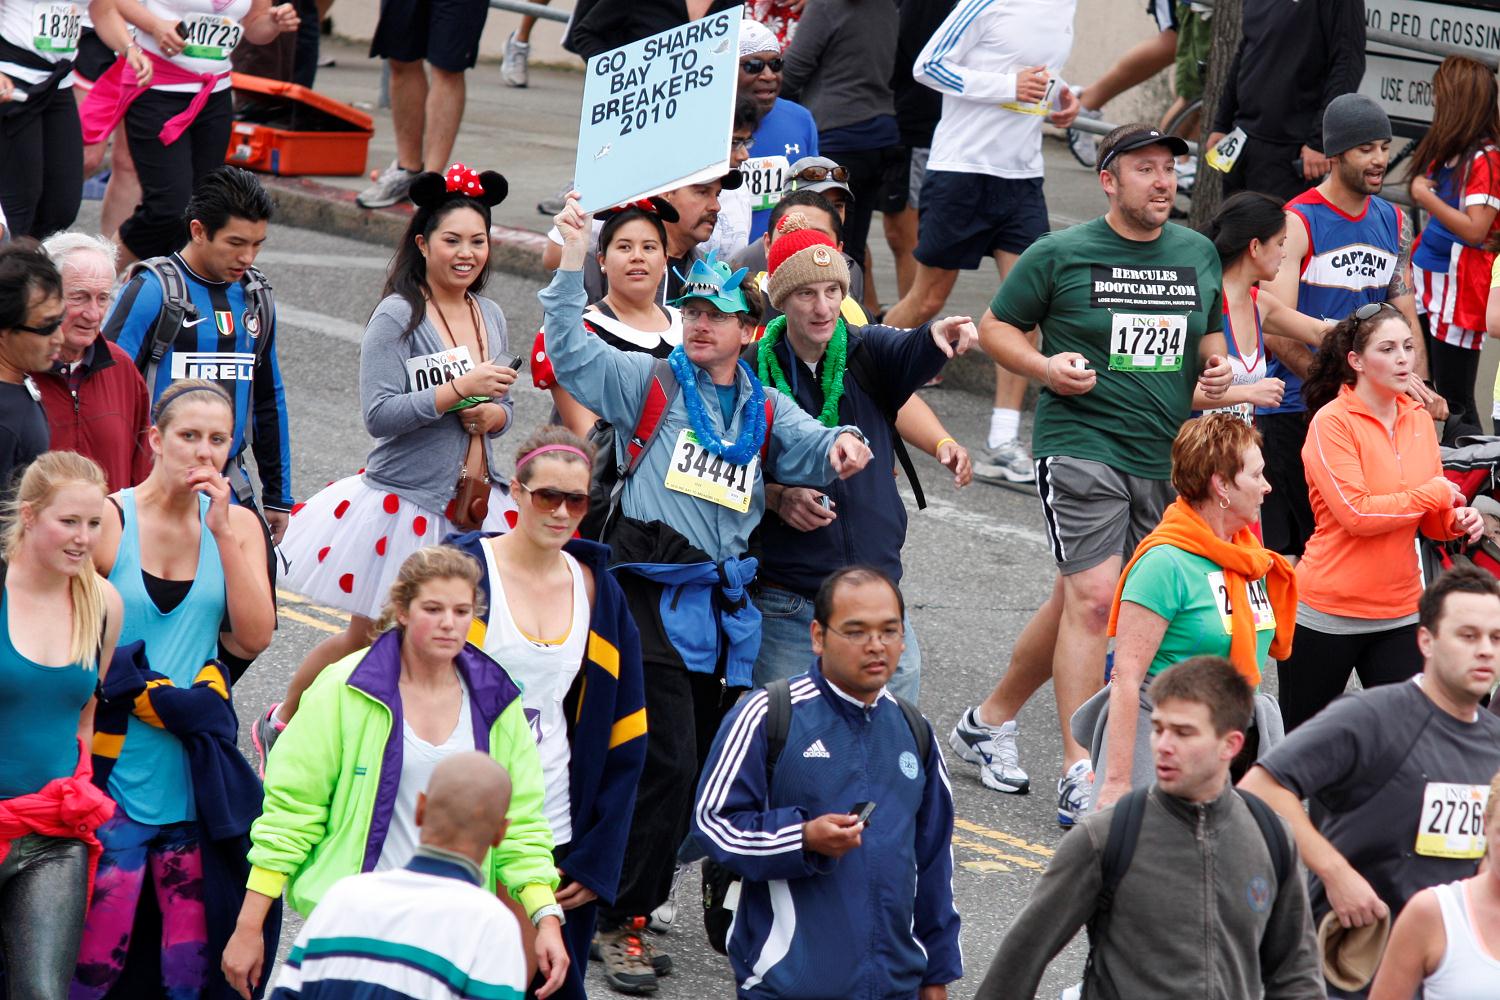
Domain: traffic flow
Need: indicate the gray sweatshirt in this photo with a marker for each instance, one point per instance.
(840, 62)
(1197, 916)
(418, 451)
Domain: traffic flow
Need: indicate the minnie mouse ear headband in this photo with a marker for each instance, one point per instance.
(430, 190)
(713, 281)
(659, 207)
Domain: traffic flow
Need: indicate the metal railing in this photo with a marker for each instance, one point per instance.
(1391, 38)
(534, 9)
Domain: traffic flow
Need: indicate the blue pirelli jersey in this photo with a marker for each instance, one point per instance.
(220, 346)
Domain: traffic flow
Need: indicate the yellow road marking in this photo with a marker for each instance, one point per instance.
(289, 596)
(994, 852)
(317, 623)
(1004, 838)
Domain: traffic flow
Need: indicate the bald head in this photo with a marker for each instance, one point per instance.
(464, 807)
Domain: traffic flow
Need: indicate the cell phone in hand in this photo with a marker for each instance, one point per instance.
(181, 29)
(516, 363)
(861, 812)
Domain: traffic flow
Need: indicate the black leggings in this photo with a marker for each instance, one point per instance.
(1317, 671)
(169, 173)
(1454, 370)
(41, 166)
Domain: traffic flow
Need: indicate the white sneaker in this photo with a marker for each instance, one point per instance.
(391, 185)
(513, 66)
(1085, 145)
(1075, 790)
(1008, 462)
(993, 748)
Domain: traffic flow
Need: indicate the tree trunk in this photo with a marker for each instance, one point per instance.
(1209, 186)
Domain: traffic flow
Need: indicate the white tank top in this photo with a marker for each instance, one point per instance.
(544, 671)
(1468, 971)
(49, 29)
(213, 28)
(418, 760)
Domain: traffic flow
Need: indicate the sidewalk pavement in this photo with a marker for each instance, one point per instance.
(530, 135)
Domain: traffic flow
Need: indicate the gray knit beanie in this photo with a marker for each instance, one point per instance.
(1352, 120)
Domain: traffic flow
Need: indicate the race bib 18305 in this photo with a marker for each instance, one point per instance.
(1452, 823)
(698, 472)
(1141, 342)
(56, 28)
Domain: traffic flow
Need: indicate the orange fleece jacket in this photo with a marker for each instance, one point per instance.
(1371, 491)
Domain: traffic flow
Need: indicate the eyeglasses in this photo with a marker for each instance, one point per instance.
(840, 174)
(1370, 310)
(755, 66)
(714, 316)
(740, 145)
(546, 500)
(887, 636)
(41, 331)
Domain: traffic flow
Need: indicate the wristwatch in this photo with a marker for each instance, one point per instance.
(550, 910)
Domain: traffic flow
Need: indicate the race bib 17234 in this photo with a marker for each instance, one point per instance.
(1452, 823)
(1141, 342)
(698, 472)
(56, 28)
(432, 370)
(210, 36)
(765, 177)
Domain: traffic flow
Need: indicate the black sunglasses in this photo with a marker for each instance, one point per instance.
(548, 500)
(755, 66)
(1370, 310)
(41, 331)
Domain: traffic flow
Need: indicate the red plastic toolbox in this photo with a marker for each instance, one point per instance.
(281, 128)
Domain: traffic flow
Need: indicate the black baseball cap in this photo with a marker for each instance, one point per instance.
(1139, 138)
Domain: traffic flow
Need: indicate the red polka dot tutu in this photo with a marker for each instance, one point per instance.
(345, 544)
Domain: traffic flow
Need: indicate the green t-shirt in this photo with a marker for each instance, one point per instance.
(1188, 591)
(1136, 311)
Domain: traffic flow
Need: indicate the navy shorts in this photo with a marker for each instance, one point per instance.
(968, 217)
(444, 33)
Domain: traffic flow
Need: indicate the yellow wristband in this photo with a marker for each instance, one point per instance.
(939, 445)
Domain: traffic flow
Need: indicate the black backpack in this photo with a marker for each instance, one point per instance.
(1124, 831)
(719, 881)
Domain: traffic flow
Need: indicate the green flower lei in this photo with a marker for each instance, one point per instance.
(769, 366)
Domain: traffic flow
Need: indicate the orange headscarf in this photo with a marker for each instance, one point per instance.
(1242, 559)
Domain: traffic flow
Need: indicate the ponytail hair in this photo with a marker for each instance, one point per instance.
(1330, 369)
(39, 486)
(1246, 216)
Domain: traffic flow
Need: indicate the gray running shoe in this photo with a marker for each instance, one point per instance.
(1085, 145)
(263, 733)
(1006, 463)
(627, 963)
(1075, 790)
(993, 748)
(391, 185)
(513, 66)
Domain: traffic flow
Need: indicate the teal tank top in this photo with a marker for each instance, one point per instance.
(152, 781)
(39, 708)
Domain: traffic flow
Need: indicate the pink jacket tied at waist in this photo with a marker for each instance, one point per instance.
(71, 807)
(116, 90)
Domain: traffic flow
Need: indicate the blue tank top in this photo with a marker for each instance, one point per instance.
(1350, 262)
(152, 781)
(39, 708)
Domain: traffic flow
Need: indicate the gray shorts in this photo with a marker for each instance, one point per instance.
(1094, 512)
(918, 174)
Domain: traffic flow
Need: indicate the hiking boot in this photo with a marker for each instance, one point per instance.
(993, 748)
(1074, 792)
(391, 185)
(1085, 145)
(513, 66)
(263, 733)
(627, 963)
(1008, 462)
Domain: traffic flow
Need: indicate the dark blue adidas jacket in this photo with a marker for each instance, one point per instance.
(877, 923)
(220, 348)
(871, 523)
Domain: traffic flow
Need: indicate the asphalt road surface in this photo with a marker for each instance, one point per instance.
(976, 563)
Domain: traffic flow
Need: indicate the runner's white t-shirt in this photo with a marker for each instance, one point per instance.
(418, 760)
(214, 29)
(47, 28)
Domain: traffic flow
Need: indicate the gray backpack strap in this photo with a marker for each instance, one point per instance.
(176, 308)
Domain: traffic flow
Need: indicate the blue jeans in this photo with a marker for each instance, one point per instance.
(786, 643)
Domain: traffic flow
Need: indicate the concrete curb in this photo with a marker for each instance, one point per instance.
(310, 204)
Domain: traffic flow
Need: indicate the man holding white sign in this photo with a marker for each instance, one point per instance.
(1397, 776)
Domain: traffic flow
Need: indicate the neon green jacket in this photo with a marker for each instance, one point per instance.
(331, 780)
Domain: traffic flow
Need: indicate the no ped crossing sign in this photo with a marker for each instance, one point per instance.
(658, 113)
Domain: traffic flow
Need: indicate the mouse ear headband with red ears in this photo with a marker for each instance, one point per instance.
(431, 190)
(657, 206)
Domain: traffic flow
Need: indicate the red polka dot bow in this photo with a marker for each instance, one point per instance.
(462, 180)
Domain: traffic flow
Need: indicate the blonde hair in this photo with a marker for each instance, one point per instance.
(436, 562)
(40, 484)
